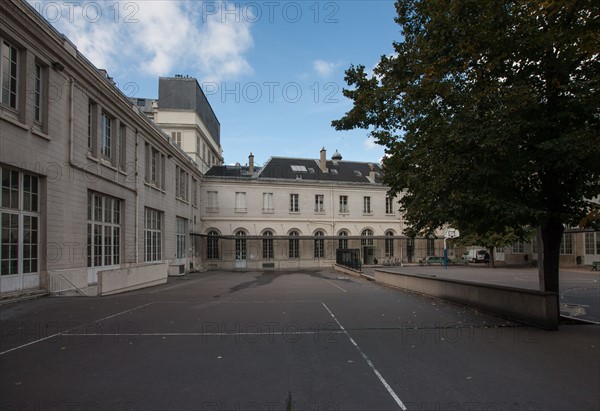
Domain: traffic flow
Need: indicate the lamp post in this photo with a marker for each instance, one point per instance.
(450, 233)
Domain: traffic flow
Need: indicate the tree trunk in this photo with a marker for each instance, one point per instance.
(550, 235)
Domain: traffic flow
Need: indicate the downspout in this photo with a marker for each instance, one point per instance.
(137, 201)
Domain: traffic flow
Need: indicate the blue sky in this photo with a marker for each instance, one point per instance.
(273, 71)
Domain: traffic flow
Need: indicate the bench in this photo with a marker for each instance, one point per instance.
(595, 265)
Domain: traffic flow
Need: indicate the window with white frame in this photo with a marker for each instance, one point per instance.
(389, 244)
(176, 137)
(38, 104)
(343, 240)
(155, 167)
(91, 126)
(181, 237)
(294, 203)
(344, 204)
(181, 184)
(122, 160)
(518, 247)
(240, 202)
(268, 205)
(367, 237)
(212, 201)
(198, 144)
(152, 234)
(20, 218)
(389, 205)
(106, 126)
(103, 230)
(267, 245)
(566, 245)
(431, 246)
(240, 245)
(294, 245)
(592, 243)
(319, 203)
(10, 71)
(367, 205)
(319, 244)
(194, 192)
(212, 245)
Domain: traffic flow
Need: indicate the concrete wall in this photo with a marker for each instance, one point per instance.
(529, 306)
(132, 278)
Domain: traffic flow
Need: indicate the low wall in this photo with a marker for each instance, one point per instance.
(66, 280)
(537, 308)
(131, 278)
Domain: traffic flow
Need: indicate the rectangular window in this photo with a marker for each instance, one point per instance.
(389, 205)
(319, 245)
(103, 230)
(267, 245)
(212, 246)
(294, 246)
(212, 204)
(123, 147)
(106, 136)
(431, 246)
(367, 205)
(343, 204)
(198, 146)
(181, 184)
(182, 231)
(194, 192)
(268, 206)
(294, 203)
(566, 245)
(319, 203)
(91, 133)
(176, 136)
(37, 94)
(518, 247)
(389, 245)
(9, 74)
(155, 167)
(19, 217)
(152, 235)
(240, 202)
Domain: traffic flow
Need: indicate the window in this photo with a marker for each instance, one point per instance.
(389, 205)
(198, 146)
(367, 237)
(152, 235)
(518, 247)
(294, 203)
(123, 147)
(212, 204)
(319, 203)
(566, 245)
(343, 240)
(106, 136)
(389, 244)
(240, 245)
(294, 245)
(182, 230)
(19, 210)
(343, 204)
(240, 202)
(103, 230)
(268, 203)
(212, 245)
(431, 246)
(155, 168)
(194, 192)
(181, 184)
(37, 94)
(91, 128)
(176, 136)
(9, 75)
(267, 249)
(367, 205)
(319, 244)
(592, 243)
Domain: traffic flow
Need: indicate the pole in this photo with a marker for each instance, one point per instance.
(445, 255)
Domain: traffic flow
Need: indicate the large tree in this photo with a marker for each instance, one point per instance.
(490, 114)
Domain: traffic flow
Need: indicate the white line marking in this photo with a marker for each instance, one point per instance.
(185, 283)
(381, 379)
(200, 334)
(71, 329)
(335, 285)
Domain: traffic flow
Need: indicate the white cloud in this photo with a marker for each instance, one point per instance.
(324, 68)
(158, 37)
(370, 144)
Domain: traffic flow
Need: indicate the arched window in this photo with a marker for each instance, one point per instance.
(212, 245)
(343, 241)
(240, 245)
(389, 244)
(267, 249)
(294, 245)
(319, 244)
(367, 237)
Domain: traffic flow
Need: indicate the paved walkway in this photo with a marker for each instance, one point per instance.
(294, 340)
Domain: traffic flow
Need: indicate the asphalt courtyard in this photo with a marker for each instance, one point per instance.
(293, 340)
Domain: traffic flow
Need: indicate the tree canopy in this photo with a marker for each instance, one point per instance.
(489, 111)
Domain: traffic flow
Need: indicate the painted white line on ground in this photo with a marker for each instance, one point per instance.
(71, 329)
(185, 283)
(368, 361)
(207, 334)
(337, 286)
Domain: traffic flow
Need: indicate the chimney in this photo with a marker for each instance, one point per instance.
(323, 160)
(251, 163)
(371, 172)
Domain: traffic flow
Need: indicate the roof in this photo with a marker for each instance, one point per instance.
(294, 169)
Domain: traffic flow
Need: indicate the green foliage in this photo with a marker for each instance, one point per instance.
(489, 111)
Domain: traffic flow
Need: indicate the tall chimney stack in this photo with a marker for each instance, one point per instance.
(251, 163)
(323, 160)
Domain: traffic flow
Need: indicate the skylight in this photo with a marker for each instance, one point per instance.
(299, 169)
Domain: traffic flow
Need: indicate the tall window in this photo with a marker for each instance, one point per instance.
(343, 204)
(343, 240)
(367, 237)
(155, 167)
(181, 239)
(389, 205)
(198, 146)
(294, 203)
(176, 136)
(9, 74)
(267, 249)
(240, 245)
(194, 192)
(103, 230)
(389, 244)
(294, 245)
(566, 245)
(367, 205)
(592, 243)
(212, 245)
(319, 203)
(240, 202)
(152, 235)
(319, 244)
(37, 94)
(91, 133)
(19, 209)
(268, 206)
(123, 147)
(106, 137)
(212, 204)
(181, 184)
(431, 246)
